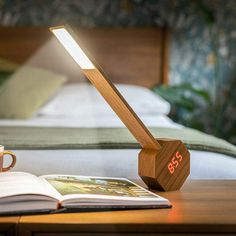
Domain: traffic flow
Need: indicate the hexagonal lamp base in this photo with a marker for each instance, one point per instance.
(165, 169)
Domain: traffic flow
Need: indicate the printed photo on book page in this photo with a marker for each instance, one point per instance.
(99, 187)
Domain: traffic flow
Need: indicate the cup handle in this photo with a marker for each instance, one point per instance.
(13, 162)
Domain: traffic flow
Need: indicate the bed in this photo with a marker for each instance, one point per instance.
(134, 59)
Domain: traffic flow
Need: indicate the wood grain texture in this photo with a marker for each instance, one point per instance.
(8, 225)
(122, 108)
(128, 55)
(200, 207)
(165, 169)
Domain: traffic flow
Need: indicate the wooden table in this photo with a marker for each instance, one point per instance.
(201, 207)
(8, 225)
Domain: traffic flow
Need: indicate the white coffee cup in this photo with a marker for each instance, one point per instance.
(2, 154)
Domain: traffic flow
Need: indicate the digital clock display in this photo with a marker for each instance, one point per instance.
(175, 161)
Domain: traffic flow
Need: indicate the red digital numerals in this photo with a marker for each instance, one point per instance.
(175, 161)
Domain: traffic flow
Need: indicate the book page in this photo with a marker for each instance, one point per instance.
(99, 189)
(21, 183)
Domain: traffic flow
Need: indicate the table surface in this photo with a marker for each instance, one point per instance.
(8, 225)
(201, 206)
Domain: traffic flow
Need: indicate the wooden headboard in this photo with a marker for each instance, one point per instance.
(128, 55)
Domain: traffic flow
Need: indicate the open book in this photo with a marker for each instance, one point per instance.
(25, 193)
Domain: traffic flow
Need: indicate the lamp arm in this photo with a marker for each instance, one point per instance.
(122, 108)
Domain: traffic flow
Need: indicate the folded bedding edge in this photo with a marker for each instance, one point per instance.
(24, 138)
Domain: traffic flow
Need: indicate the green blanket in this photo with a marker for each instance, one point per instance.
(109, 138)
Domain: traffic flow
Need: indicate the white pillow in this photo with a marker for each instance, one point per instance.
(84, 99)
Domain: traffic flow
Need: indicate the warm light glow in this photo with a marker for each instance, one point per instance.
(73, 48)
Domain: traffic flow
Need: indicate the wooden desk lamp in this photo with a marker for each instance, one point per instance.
(164, 164)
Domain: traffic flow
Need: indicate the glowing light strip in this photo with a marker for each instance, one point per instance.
(73, 48)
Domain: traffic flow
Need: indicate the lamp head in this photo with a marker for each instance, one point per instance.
(72, 47)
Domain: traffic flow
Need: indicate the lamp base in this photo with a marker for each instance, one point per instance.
(167, 168)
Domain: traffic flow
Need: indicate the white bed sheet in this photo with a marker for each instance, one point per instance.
(116, 163)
